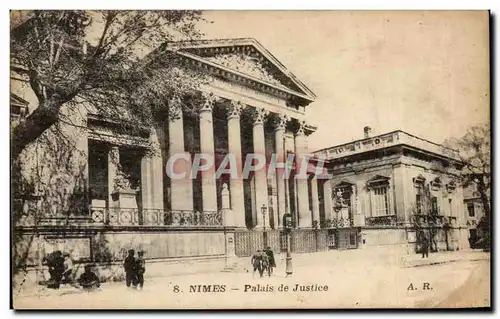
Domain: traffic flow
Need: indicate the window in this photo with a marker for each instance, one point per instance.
(451, 206)
(380, 200)
(380, 195)
(434, 206)
(470, 209)
(418, 202)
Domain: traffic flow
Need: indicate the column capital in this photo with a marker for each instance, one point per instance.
(301, 128)
(280, 122)
(174, 108)
(114, 154)
(208, 103)
(259, 115)
(234, 109)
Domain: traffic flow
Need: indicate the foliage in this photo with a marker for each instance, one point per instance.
(112, 61)
(475, 152)
(112, 64)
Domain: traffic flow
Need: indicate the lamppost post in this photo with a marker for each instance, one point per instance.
(287, 223)
(263, 210)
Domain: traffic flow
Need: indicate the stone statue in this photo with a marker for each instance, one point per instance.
(338, 198)
(122, 182)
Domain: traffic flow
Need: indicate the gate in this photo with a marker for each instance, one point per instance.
(247, 242)
(347, 238)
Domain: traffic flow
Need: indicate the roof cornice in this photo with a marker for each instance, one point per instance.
(180, 45)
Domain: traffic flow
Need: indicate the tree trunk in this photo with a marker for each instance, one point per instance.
(34, 125)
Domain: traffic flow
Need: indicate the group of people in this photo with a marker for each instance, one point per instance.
(263, 260)
(61, 271)
(134, 269)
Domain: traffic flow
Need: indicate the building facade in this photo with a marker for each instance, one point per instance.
(105, 190)
(475, 215)
(393, 189)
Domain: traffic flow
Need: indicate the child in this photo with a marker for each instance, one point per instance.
(68, 268)
(141, 268)
(270, 255)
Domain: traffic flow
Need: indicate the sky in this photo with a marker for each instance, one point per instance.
(424, 72)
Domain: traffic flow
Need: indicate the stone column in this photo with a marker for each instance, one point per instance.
(260, 176)
(113, 165)
(301, 182)
(315, 199)
(234, 148)
(208, 186)
(327, 198)
(157, 173)
(146, 182)
(181, 190)
(279, 138)
(401, 198)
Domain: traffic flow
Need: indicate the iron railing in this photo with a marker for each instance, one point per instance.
(156, 217)
(421, 220)
(387, 220)
(338, 223)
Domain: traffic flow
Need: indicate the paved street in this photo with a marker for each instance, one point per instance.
(346, 280)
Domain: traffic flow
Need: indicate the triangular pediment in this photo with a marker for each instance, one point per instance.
(377, 179)
(344, 183)
(247, 58)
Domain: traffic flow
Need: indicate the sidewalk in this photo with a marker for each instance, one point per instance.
(349, 258)
(336, 261)
(443, 258)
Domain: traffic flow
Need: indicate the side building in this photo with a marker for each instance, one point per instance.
(475, 215)
(393, 189)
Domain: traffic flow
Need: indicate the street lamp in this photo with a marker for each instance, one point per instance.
(287, 225)
(263, 210)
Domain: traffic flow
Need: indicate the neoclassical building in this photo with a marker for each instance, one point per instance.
(112, 193)
(391, 189)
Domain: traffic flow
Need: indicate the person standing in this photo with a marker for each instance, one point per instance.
(130, 268)
(257, 262)
(140, 268)
(270, 256)
(68, 268)
(425, 247)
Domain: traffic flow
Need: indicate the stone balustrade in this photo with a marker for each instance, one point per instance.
(340, 222)
(386, 140)
(156, 217)
(381, 221)
(420, 220)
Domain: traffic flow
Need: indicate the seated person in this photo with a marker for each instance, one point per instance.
(89, 279)
(68, 268)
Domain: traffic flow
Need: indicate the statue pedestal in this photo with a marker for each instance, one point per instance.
(343, 212)
(125, 198)
(359, 220)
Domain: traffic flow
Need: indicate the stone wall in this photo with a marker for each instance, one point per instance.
(166, 250)
(382, 237)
